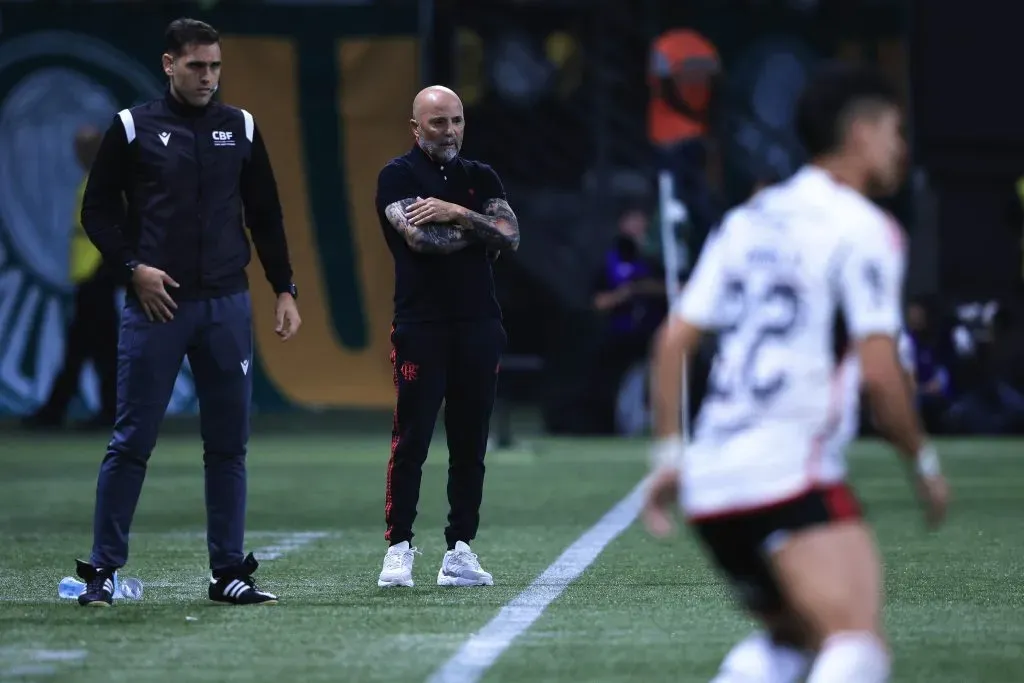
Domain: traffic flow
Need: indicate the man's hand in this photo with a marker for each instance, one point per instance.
(663, 492)
(931, 486)
(150, 286)
(933, 492)
(661, 497)
(432, 210)
(287, 317)
(605, 301)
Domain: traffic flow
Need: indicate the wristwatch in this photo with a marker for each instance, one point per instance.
(292, 289)
(130, 266)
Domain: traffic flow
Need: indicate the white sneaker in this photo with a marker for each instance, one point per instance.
(461, 567)
(397, 569)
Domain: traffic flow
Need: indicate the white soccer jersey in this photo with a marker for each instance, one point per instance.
(771, 281)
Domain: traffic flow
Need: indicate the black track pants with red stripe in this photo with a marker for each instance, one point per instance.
(456, 362)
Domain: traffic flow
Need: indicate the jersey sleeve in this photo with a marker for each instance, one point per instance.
(871, 284)
(700, 300)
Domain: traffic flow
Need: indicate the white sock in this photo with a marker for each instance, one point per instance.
(851, 657)
(756, 659)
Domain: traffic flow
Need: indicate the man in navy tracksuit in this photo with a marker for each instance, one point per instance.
(164, 205)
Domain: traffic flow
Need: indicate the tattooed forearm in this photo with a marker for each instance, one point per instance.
(431, 238)
(497, 226)
(437, 238)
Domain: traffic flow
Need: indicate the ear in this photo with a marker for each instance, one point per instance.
(168, 63)
(413, 126)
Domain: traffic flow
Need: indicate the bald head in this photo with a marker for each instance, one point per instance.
(87, 144)
(433, 97)
(438, 122)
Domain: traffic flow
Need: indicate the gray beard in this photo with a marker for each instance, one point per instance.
(437, 153)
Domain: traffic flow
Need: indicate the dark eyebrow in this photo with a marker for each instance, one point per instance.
(196, 62)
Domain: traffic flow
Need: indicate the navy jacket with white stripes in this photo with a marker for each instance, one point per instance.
(173, 187)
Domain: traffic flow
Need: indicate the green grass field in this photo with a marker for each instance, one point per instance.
(645, 610)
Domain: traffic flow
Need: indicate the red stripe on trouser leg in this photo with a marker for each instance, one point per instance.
(395, 437)
(841, 503)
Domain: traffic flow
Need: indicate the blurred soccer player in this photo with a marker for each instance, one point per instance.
(763, 482)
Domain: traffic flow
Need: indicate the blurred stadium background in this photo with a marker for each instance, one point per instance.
(567, 100)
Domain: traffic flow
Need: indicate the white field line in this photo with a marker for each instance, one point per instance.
(25, 662)
(483, 648)
(289, 544)
(286, 543)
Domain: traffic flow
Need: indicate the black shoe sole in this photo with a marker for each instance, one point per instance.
(225, 603)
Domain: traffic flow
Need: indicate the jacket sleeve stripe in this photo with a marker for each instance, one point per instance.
(250, 125)
(129, 124)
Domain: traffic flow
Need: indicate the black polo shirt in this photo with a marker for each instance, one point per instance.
(439, 287)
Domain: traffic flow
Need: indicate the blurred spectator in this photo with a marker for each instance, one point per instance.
(991, 405)
(630, 291)
(92, 334)
(931, 354)
(684, 74)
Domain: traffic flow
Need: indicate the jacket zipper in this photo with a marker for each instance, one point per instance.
(199, 199)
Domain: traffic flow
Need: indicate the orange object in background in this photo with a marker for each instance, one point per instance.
(690, 60)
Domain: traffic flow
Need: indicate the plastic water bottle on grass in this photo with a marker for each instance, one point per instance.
(129, 589)
(70, 588)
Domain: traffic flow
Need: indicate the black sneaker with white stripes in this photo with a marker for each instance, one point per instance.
(99, 585)
(235, 585)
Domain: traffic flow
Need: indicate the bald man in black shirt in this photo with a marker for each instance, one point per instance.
(445, 220)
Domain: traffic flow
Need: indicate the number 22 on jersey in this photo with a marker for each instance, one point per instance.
(761, 313)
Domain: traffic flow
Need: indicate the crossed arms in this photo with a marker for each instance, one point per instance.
(432, 226)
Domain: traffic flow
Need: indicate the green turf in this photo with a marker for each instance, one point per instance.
(645, 611)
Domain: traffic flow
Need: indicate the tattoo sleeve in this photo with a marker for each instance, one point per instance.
(497, 226)
(431, 238)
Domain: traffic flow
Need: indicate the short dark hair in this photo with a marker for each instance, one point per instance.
(184, 31)
(835, 94)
